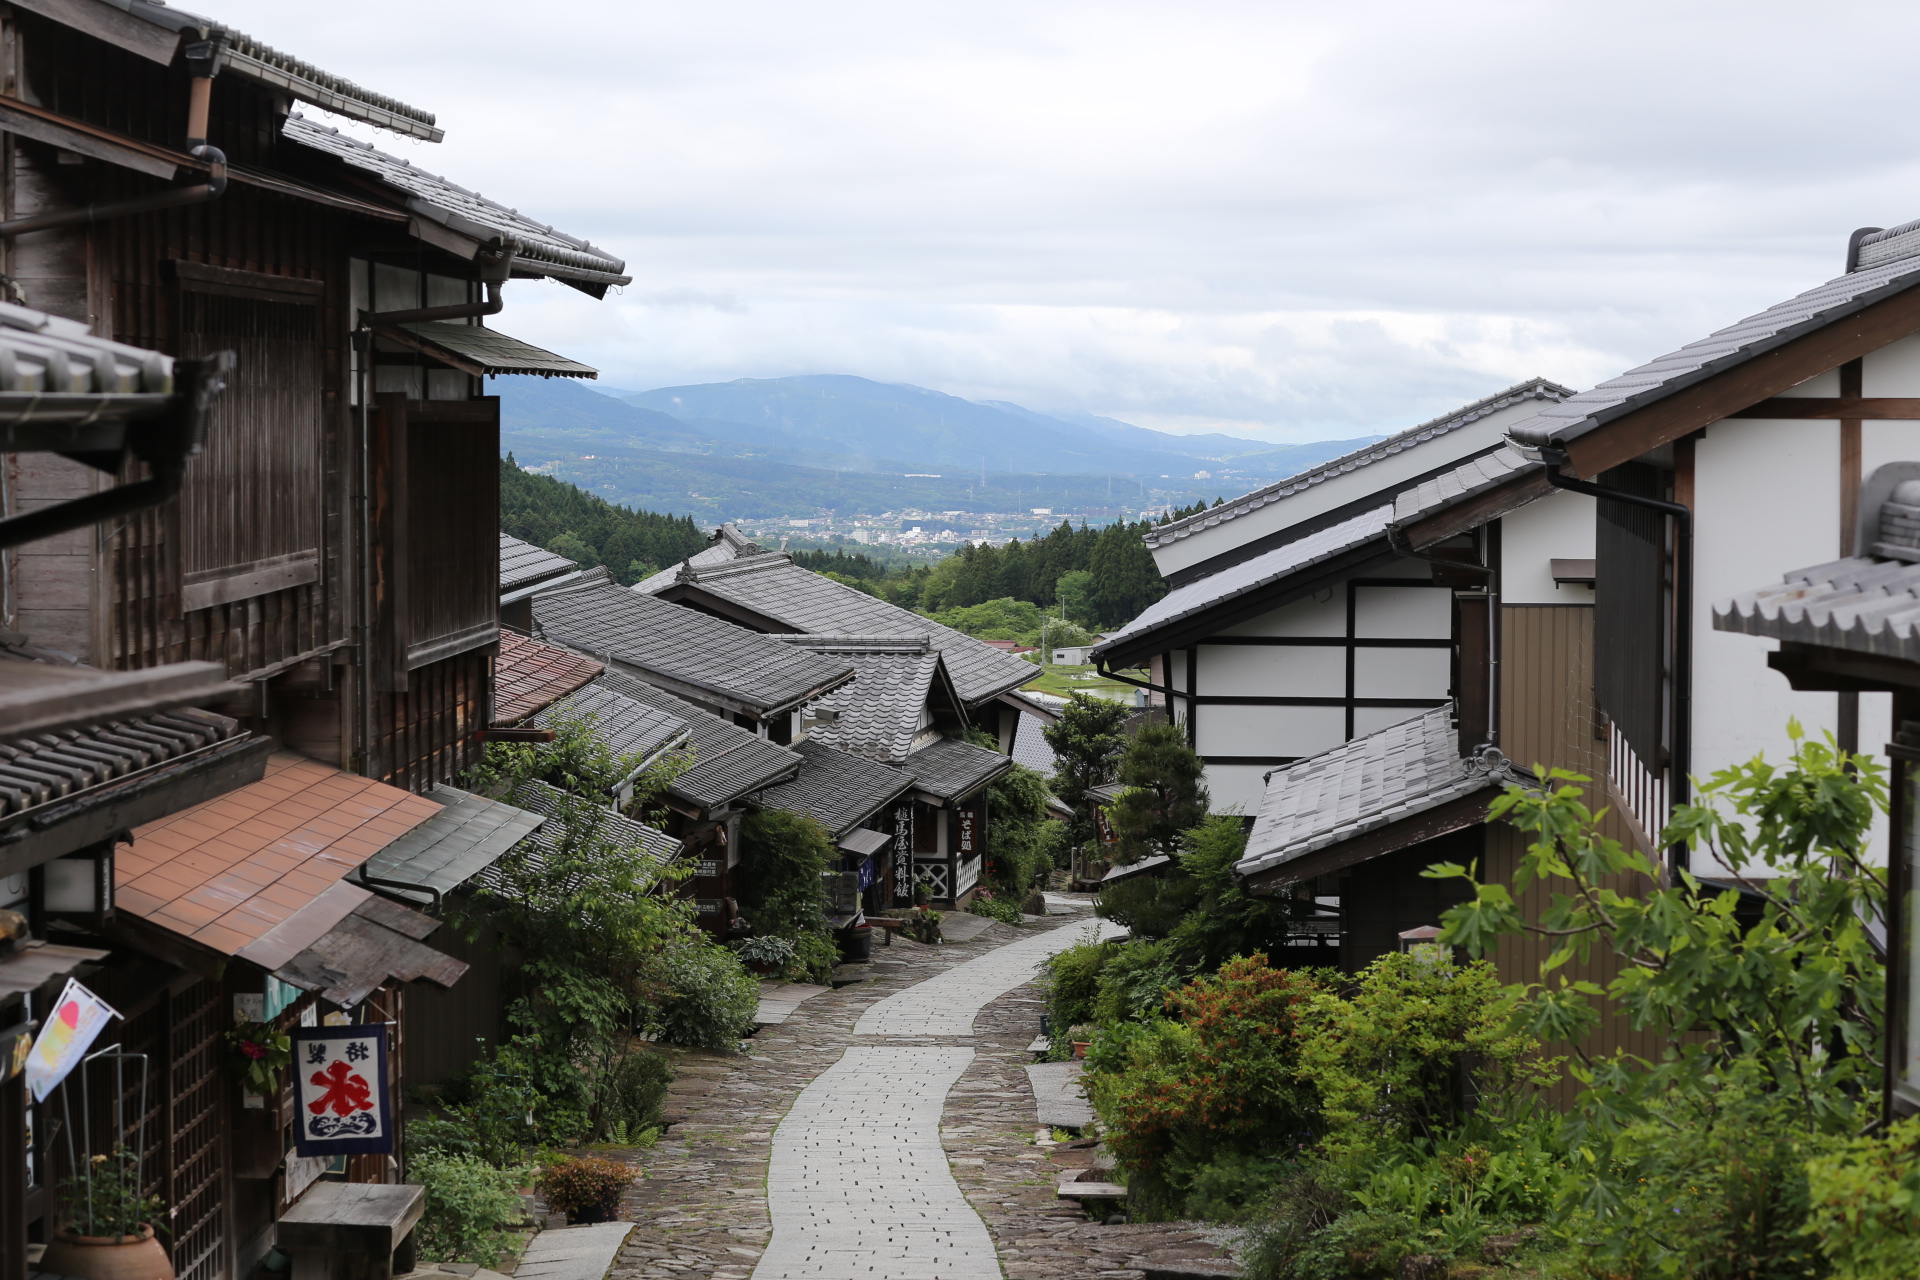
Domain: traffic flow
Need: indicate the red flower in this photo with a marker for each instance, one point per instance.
(252, 1050)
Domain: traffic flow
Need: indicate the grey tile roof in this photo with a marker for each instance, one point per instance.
(547, 802)
(522, 564)
(724, 544)
(482, 351)
(952, 769)
(679, 644)
(1464, 481)
(538, 249)
(1250, 575)
(881, 711)
(836, 789)
(40, 768)
(241, 55)
(1723, 349)
(1031, 749)
(1412, 437)
(1860, 605)
(1390, 774)
(466, 837)
(630, 728)
(771, 585)
(728, 762)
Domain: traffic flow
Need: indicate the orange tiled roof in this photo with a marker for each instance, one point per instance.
(529, 676)
(257, 872)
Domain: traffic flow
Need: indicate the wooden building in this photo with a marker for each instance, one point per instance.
(327, 570)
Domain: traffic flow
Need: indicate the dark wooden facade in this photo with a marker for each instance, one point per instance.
(335, 548)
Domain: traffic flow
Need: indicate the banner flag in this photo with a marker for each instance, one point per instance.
(77, 1019)
(341, 1102)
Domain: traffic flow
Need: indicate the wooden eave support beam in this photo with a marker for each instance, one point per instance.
(1748, 384)
(1814, 668)
(1464, 811)
(1861, 407)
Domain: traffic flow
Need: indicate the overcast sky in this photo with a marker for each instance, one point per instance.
(1290, 220)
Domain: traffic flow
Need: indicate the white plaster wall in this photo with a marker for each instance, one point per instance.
(1273, 671)
(1893, 370)
(1269, 731)
(1237, 788)
(1324, 614)
(1401, 673)
(1368, 720)
(1558, 526)
(1339, 490)
(1411, 613)
(1767, 499)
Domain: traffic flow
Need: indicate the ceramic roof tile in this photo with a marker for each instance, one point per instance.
(1861, 605)
(1471, 477)
(547, 802)
(1250, 575)
(952, 769)
(40, 768)
(538, 248)
(686, 646)
(728, 761)
(799, 600)
(522, 564)
(1412, 437)
(169, 878)
(630, 728)
(529, 676)
(835, 788)
(1729, 347)
(882, 710)
(1030, 747)
(1392, 773)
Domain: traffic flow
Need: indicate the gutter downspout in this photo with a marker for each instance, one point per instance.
(1682, 622)
(495, 264)
(202, 60)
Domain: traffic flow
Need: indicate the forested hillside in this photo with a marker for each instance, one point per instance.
(567, 520)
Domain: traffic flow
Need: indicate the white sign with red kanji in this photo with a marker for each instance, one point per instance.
(342, 1103)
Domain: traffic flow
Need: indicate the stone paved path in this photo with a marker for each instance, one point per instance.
(947, 1003)
(703, 1207)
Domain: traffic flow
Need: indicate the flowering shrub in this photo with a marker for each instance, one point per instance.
(260, 1051)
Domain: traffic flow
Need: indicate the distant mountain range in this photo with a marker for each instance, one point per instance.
(831, 442)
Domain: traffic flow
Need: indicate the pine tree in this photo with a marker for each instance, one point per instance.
(1087, 743)
(1164, 797)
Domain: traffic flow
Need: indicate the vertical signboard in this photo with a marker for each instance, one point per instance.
(1903, 1004)
(903, 855)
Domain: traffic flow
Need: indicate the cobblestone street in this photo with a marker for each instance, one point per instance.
(703, 1206)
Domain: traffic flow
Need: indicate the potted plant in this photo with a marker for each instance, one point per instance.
(257, 1052)
(1081, 1038)
(260, 1052)
(923, 925)
(109, 1233)
(764, 956)
(587, 1189)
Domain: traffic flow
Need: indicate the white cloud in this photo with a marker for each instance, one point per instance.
(1294, 218)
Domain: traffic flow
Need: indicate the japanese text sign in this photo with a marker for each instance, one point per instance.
(342, 1104)
(76, 1020)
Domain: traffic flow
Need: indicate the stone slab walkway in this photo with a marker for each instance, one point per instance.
(859, 1184)
(778, 1000)
(1057, 1099)
(947, 1003)
(573, 1253)
(704, 1205)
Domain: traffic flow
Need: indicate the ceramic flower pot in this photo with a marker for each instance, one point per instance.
(1080, 1048)
(107, 1257)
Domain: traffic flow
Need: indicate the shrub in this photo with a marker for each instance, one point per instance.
(814, 955)
(1406, 1056)
(1073, 983)
(1224, 1079)
(1149, 906)
(923, 925)
(470, 1206)
(494, 1112)
(711, 999)
(587, 1189)
(770, 950)
(1865, 1205)
(1225, 920)
(1135, 981)
(782, 857)
(628, 1094)
(1005, 910)
(1166, 793)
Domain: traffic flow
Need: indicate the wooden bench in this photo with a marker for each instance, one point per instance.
(352, 1231)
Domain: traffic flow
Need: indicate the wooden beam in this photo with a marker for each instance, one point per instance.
(1464, 517)
(1814, 668)
(1724, 394)
(1852, 406)
(111, 23)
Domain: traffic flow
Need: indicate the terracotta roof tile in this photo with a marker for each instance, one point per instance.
(530, 676)
(230, 870)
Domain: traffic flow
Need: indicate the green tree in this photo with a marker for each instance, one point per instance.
(1075, 592)
(1087, 742)
(1125, 580)
(573, 548)
(1164, 794)
(1227, 921)
(782, 857)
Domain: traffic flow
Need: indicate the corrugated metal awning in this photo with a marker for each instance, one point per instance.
(37, 963)
(477, 350)
(865, 843)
